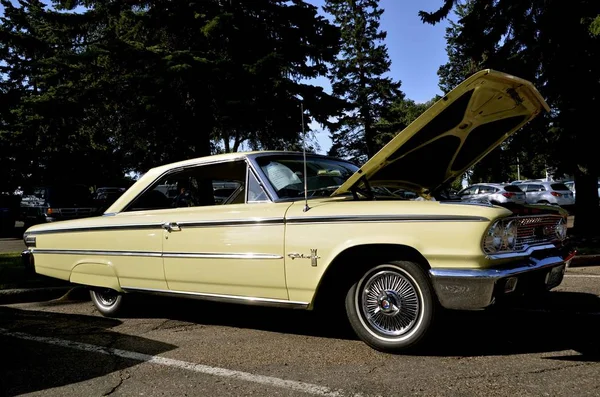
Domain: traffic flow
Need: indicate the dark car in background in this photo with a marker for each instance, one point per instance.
(104, 197)
(9, 213)
(56, 203)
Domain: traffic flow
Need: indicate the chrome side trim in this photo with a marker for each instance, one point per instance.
(387, 218)
(248, 300)
(233, 222)
(216, 255)
(202, 255)
(96, 252)
(277, 221)
(99, 228)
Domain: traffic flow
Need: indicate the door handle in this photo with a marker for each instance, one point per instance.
(171, 227)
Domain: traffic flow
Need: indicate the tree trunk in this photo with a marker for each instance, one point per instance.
(587, 210)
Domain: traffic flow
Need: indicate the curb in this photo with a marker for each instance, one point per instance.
(585, 260)
(27, 295)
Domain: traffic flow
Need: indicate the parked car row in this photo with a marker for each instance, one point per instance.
(535, 192)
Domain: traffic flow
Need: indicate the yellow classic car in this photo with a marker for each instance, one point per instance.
(308, 231)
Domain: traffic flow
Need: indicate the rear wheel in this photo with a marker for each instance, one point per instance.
(108, 301)
(392, 307)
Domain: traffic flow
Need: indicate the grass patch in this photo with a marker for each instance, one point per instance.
(14, 275)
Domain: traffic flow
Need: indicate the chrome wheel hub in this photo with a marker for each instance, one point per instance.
(390, 303)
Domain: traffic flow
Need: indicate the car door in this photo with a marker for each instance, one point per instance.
(484, 192)
(468, 193)
(224, 246)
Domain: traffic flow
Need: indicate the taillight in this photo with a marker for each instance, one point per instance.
(555, 194)
(508, 194)
(49, 211)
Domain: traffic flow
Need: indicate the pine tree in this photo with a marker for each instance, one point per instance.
(358, 76)
(123, 86)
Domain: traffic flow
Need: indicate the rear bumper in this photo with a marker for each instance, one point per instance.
(28, 261)
(473, 289)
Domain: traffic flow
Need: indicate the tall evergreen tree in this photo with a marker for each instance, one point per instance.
(359, 76)
(123, 86)
(552, 44)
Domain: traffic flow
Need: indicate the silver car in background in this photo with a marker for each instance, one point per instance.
(493, 193)
(548, 193)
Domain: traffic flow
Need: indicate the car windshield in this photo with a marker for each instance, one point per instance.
(286, 174)
(559, 186)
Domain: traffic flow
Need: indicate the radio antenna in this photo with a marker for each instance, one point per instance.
(306, 207)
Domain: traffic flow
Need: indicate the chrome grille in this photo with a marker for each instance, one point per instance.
(537, 229)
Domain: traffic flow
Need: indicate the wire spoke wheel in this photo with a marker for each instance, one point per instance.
(390, 303)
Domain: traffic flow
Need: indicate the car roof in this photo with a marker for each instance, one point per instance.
(233, 157)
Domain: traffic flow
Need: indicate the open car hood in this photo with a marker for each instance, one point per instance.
(453, 134)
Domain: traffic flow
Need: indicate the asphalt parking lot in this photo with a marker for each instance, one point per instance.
(180, 347)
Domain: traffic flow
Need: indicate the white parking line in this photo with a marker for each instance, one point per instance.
(583, 275)
(308, 388)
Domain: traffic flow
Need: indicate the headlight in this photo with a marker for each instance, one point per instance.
(510, 235)
(493, 238)
(561, 229)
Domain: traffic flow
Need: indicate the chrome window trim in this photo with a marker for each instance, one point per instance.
(249, 300)
(265, 181)
(156, 254)
(178, 169)
(262, 178)
(250, 171)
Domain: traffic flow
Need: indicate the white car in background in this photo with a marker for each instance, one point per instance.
(556, 193)
(493, 193)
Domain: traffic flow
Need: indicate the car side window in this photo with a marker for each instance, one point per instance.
(486, 189)
(538, 188)
(256, 193)
(468, 191)
(211, 184)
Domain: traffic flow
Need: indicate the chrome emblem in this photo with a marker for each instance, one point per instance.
(313, 256)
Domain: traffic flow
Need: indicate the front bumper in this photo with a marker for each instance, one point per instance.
(473, 289)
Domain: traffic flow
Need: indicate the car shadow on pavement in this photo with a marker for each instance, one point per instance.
(282, 320)
(28, 366)
(554, 322)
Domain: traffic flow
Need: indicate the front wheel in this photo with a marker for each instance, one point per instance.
(108, 301)
(392, 307)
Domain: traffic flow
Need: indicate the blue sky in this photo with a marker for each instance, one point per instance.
(415, 49)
